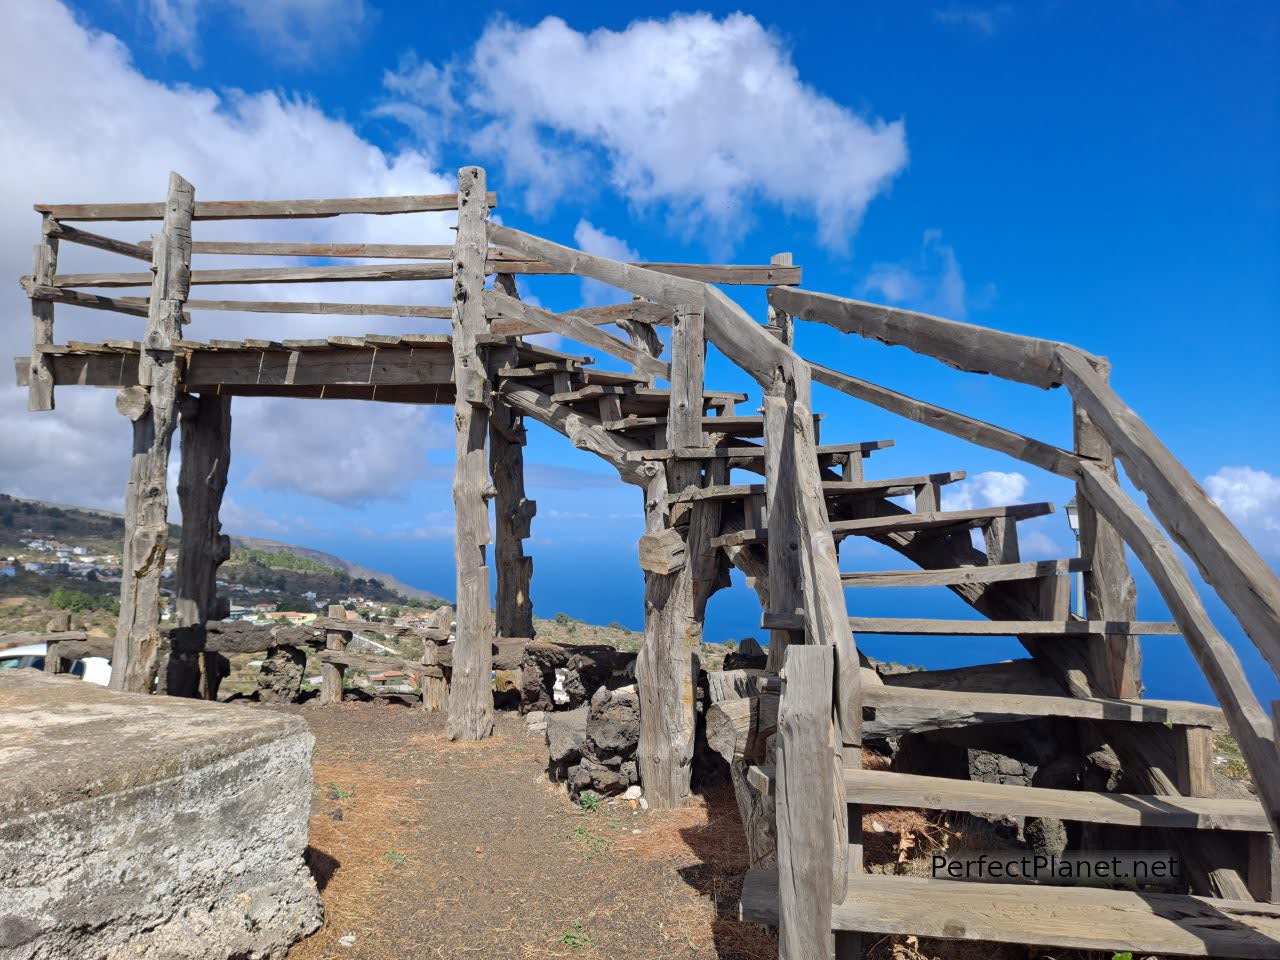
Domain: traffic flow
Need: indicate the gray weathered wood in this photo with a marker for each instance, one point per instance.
(806, 842)
(40, 372)
(328, 274)
(146, 535)
(1007, 628)
(960, 345)
(83, 237)
(130, 306)
(513, 514)
(567, 325)
(202, 481)
(1109, 590)
(662, 552)
(471, 691)
(688, 364)
(989, 573)
(1073, 918)
(1253, 729)
(259, 209)
(1226, 560)
(332, 673)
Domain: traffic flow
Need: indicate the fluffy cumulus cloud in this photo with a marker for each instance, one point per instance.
(991, 489)
(1251, 498)
(593, 240)
(117, 136)
(703, 117)
(292, 30)
(931, 281)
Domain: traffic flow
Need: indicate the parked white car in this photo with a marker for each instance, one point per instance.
(93, 669)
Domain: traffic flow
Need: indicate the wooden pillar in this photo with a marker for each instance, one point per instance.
(675, 601)
(332, 675)
(786, 594)
(780, 323)
(513, 512)
(806, 841)
(435, 686)
(153, 409)
(1109, 590)
(40, 391)
(205, 424)
(471, 691)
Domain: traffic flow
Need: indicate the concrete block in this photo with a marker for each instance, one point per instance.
(152, 828)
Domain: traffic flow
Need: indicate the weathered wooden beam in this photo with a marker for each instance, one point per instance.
(1221, 666)
(1044, 455)
(1226, 560)
(727, 273)
(202, 481)
(689, 358)
(259, 209)
(315, 307)
(40, 382)
(960, 345)
(332, 673)
(83, 237)
(130, 306)
(567, 325)
(329, 274)
(471, 692)
(806, 841)
(146, 536)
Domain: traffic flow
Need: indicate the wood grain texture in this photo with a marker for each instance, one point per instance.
(513, 514)
(39, 370)
(471, 690)
(146, 536)
(327, 274)
(1066, 917)
(988, 573)
(86, 239)
(259, 209)
(1226, 560)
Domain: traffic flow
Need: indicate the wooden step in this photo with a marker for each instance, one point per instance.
(955, 576)
(914, 710)
(891, 487)
(886, 788)
(1070, 918)
(896, 626)
(949, 520)
(636, 400)
(744, 426)
(828, 453)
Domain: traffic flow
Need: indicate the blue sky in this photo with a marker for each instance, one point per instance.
(1105, 176)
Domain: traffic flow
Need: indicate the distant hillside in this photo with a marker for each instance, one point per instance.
(103, 530)
(355, 570)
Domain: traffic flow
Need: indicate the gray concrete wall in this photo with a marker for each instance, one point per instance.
(150, 828)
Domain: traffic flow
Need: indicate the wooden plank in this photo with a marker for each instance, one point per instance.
(686, 373)
(990, 573)
(1252, 728)
(634, 311)
(146, 535)
(888, 487)
(905, 710)
(513, 514)
(567, 325)
(83, 237)
(1006, 628)
(736, 426)
(78, 298)
(1073, 918)
(727, 273)
(1226, 560)
(328, 274)
(890, 789)
(960, 345)
(471, 692)
(40, 379)
(806, 845)
(1044, 455)
(319, 308)
(331, 672)
(1109, 590)
(259, 209)
(352, 251)
(1193, 750)
(786, 589)
(331, 366)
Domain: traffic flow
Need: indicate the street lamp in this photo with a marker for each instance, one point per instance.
(1073, 521)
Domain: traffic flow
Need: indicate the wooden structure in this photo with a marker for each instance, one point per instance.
(762, 493)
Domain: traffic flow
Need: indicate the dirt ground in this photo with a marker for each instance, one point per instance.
(427, 849)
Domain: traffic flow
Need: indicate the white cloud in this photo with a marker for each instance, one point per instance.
(984, 20)
(1251, 498)
(290, 30)
(931, 281)
(591, 239)
(991, 489)
(705, 118)
(117, 137)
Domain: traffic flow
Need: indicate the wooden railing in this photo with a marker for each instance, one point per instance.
(1226, 560)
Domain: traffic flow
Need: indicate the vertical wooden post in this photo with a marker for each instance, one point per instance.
(332, 676)
(786, 594)
(513, 517)
(675, 602)
(780, 323)
(435, 688)
(1193, 752)
(806, 842)
(202, 480)
(471, 691)
(1109, 590)
(40, 391)
(154, 414)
